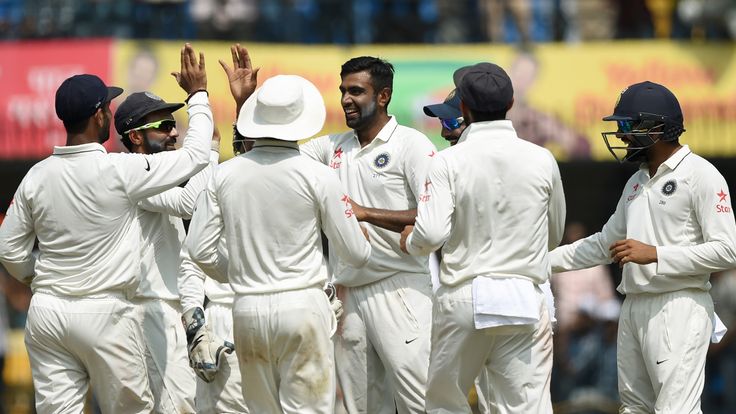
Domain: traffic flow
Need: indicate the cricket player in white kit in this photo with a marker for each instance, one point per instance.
(147, 126)
(495, 204)
(81, 204)
(271, 204)
(219, 387)
(672, 227)
(383, 346)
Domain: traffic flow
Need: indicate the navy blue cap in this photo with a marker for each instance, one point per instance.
(484, 87)
(448, 109)
(80, 96)
(133, 110)
(647, 98)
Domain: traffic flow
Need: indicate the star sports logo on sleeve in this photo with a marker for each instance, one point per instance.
(634, 193)
(722, 199)
(425, 196)
(348, 207)
(336, 159)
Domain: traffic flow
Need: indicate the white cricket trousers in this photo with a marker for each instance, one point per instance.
(517, 359)
(285, 352)
(662, 343)
(382, 349)
(224, 394)
(75, 342)
(171, 378)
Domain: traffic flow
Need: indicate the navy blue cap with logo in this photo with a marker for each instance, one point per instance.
(448, 109)
(80, 96)
(133, 110)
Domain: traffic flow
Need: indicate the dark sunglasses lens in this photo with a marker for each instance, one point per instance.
(625, 126)
(450, 124)
(167, 126)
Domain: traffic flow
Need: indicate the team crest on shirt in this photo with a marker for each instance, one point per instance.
(669, 187)
(382, 160)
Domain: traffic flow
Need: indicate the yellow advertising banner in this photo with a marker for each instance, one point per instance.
(561, 91)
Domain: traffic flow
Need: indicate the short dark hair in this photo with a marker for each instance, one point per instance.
(382, 72)
(76, 127)
(482, 116)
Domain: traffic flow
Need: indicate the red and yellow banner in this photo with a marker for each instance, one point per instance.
(562, 91)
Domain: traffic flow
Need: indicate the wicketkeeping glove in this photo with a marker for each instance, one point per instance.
(335, 303)
(205, 348)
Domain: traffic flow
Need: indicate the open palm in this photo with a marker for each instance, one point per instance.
(242, 77)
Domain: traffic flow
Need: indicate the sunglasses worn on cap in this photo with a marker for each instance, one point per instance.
(452, 123)
(164, 125)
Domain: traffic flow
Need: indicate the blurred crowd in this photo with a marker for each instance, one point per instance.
(370, 21)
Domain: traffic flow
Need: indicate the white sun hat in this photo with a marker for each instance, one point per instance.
(285, 107)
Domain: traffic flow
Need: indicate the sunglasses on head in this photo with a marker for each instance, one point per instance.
(164, 125)
(451, 123)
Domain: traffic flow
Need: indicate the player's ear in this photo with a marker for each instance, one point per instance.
(99, 118)
(384, 97)
(136, 137)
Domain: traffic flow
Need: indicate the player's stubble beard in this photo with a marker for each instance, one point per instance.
(367, 115)
(154, 147)
(104, 133)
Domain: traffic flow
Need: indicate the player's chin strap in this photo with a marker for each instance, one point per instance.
(205, 348)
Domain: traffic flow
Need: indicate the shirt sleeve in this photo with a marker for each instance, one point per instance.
(180, 201)
(434, 212)
(190, 283)
(712, 205)
(592, 250)
(17, 238)
(557, 209)
(339, 223)
(205, 231)
(317, 149)
(417, 160)
(144, 175)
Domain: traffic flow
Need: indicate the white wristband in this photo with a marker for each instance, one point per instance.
(215, 146)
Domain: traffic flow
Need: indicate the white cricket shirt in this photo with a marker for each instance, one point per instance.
(163, 233)
(387, 174)
(684, 210)
(82, 205)
(496, 203)
(271, 204)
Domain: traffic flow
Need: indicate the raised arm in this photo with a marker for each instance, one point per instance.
(146, 175)
(180, 201)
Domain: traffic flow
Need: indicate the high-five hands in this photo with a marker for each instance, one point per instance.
(193, 76)
(241, 77)
(632, 251)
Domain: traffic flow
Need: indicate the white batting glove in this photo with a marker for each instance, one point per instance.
(335, 303)
(206, 350)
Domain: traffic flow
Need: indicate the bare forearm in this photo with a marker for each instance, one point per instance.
(394, 220)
